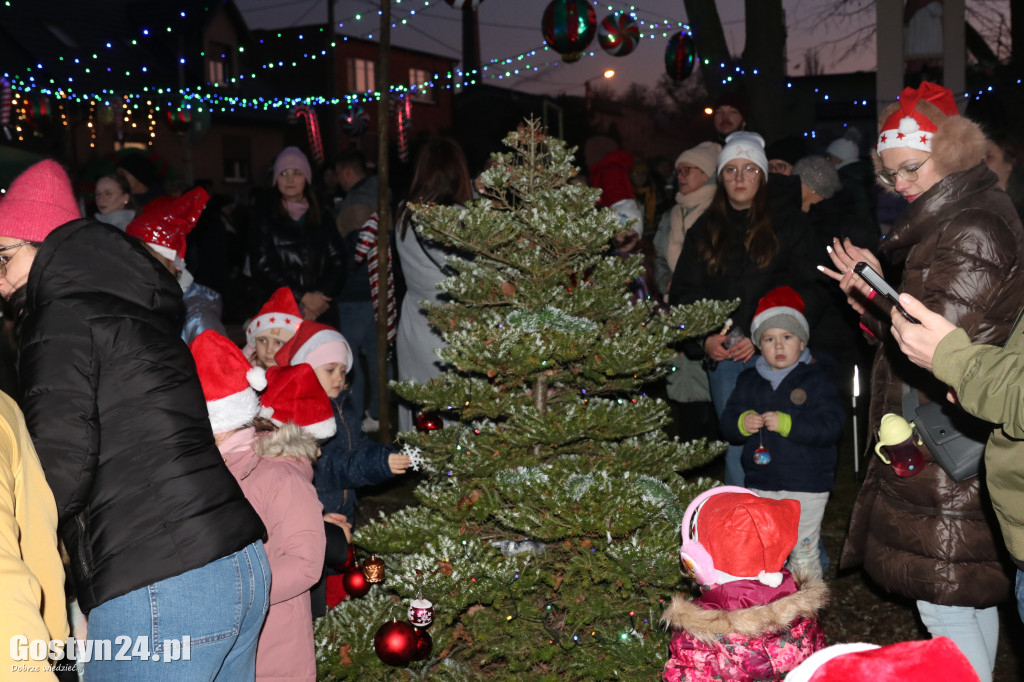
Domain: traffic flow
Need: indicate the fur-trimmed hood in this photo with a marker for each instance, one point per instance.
(958, 144)
(707, 625)
(288, 440)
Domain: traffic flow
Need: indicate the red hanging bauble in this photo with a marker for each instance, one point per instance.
(395, 642)
(355, 582)
(424, 645)
(429, 421)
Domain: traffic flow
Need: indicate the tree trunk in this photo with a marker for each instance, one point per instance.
(1017, 34)
(383, 221)
(710, 40)
(766, 51)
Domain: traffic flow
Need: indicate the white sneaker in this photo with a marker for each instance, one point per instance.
(370, 424)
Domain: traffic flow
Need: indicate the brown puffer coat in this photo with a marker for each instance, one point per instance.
(927, 537)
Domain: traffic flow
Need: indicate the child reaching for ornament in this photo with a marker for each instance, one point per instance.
(754, 620)
(787, 414)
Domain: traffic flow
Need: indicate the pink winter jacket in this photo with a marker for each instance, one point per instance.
(281, 490)
(741, 635)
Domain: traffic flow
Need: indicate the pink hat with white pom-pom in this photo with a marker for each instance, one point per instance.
(229, 381)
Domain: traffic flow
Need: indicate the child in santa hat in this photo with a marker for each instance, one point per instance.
(272, 460)
(162, 227)
(275, 323)
(753, 620)
(351, 459)
(787, 414)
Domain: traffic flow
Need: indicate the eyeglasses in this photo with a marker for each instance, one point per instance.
(4, 260)
(908, 173)
(686, 170)
(729, 173)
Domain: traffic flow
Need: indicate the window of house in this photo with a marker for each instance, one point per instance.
(236, 151)
(423, 80)
(218, 60)
(361, 75)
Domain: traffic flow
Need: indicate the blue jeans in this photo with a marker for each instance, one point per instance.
(722, 381)
(1020, 593)
(359, 326)
(975, 631)
(219, 606)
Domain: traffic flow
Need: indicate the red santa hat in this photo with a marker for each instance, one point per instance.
(780, 308)
(279, 312)
(294, 395)
(166, 221)
(315, 344)
(912, 125)
(744, 536)
(229, 381)
(930, 660)
(39, 201)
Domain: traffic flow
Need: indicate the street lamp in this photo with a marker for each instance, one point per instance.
(608, 74)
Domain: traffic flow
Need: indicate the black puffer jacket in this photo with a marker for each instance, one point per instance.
(793, 264)
(118, 417)
(927, 536)
(295, 254)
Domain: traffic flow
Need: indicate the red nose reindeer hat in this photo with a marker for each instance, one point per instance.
(295, 395)
(279, 312)
(730, 533)
(931, 660)
(166, 221)
(228, 381)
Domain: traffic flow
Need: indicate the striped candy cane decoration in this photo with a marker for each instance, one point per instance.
(402, 108)
(366, 249)
(316, 141)
(6, 97)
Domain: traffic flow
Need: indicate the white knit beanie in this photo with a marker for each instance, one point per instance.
(744, 145)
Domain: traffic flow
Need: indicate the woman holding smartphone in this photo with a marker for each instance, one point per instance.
(926, 536)
(750, 240)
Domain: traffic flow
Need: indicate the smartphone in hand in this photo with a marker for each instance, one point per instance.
(876, 282)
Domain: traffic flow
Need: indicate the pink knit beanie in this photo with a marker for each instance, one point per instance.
(292, 157)
(39, 201)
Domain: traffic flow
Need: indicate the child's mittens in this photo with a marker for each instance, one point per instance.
(398, 463)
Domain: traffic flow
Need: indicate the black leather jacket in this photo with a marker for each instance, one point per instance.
(117, 414)
(286, 253)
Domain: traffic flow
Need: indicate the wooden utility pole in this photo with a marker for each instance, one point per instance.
(384, 218)
(331, 139)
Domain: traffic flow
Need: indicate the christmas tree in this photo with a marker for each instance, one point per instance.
(547, 532)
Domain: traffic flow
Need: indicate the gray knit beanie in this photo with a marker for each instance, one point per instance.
(817, 173)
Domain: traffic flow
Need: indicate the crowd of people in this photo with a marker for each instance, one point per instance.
(203, 482)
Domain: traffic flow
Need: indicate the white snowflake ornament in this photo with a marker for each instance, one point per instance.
(415, 455)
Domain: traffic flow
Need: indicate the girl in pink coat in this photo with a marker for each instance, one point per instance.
(754, 622)
(270, 451)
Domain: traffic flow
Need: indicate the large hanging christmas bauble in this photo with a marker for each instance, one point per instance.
(618, 34)
(395, 642)
(354, 582)
(569, 26)
(429, 421)
(680, 55)
(373, 569)
(424, 645)
(421, 612)
(355, 122)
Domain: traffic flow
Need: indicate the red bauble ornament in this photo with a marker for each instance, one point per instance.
(429, 421)
(424, 645)
(354, 582)
(395, 642)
